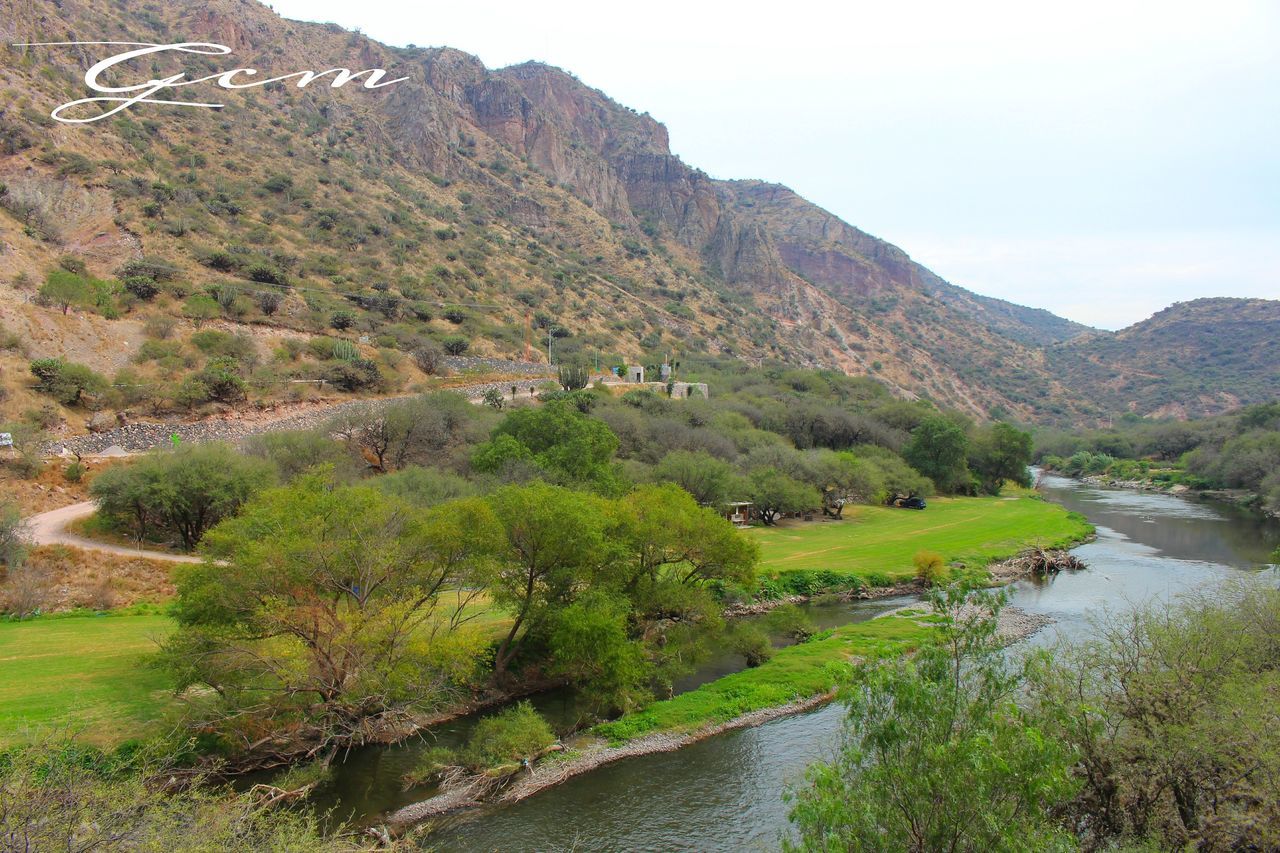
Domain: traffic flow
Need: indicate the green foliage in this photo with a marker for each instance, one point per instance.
(790, 621)
(66, 381)
(361, 374)
(573, 377)
(1171, 713)
(14, 541)
(49, 787)
(569, 446)
(507, 737)
(1000, 453)
(313, 567)
(589, 644)
(709, 480)
(936, 756)
(456, 345)
(181, 492)
(295, 452)
(938, 450)
(424, 486)
(775, 493)
(553, 539)
(65, 289)
(200, 308)
(345, 351)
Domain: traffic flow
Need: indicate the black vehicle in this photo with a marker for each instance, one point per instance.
(910, 502)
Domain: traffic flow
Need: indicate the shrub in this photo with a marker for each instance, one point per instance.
(517, 733)
(358, 375)
(427, 356)
(159, 326)
(493, 399)
(65, 381)
(456, 345)
(222, 380)
(142, 287)
(455, 316)
(74, 472)
(931, 568)
(152, 268)
(266, 274)
(341, 320)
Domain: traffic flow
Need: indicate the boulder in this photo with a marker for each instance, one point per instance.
(102, 421)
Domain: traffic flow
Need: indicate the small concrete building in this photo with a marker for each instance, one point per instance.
(635, 373)
(684, 390)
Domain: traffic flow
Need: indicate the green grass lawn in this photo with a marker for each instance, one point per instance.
(795, 672)
(875, 539)
(83, 674)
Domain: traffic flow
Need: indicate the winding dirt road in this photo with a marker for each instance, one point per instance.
(50, 528)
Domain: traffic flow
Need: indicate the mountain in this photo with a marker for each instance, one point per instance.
(499, 206)
(1191, 359)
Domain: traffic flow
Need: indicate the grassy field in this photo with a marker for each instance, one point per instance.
(84, 674)
(90, 673)
(882, 540)
(795, 672)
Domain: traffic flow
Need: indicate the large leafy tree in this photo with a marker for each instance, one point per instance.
(669, 539)
(1000, 453)
(572, 448)
(711, 481)
(774, 493)
(340, 604)
(552, 543)
(180, 492)
(938, 449)
(936, 755)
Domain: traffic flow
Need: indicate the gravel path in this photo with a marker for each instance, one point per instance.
(50, 528)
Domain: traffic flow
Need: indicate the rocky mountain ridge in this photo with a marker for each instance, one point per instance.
(521, 192)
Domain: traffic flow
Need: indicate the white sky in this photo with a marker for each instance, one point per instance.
(1099, 159)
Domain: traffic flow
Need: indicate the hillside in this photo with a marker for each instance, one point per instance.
(1191, 359)
(482, 210)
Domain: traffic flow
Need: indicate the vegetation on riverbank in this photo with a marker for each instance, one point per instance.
(1238, 451)
(1160, 731)
(806, 669)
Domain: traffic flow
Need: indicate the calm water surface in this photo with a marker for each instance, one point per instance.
(725, 793)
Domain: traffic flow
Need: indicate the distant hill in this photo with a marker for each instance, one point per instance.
(504, 207)
(1191, 359)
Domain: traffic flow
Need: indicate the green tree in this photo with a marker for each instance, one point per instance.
(182, 492)
(936, 756)
(669, 539)
(1171, 710)
(1000, 453)
(571, 447)
(938, 450)
(66, 381)
(64, 289)
(554, 541)
(711, 481)
(338, 603)
(590, 644)
(774, 493)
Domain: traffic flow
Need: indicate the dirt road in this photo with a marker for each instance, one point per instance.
(50, 528)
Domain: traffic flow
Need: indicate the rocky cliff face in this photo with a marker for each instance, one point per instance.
(520, 187)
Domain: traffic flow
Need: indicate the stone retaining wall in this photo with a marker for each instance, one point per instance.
(137, 437)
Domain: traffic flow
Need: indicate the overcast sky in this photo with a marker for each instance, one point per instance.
(1099, 159)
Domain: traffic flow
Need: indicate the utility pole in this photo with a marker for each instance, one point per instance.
(549, 339)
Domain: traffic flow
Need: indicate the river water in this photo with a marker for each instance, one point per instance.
(726, 793)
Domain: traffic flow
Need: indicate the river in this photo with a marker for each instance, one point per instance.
(726, 792)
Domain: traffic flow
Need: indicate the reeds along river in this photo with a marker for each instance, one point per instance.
(725, 793)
